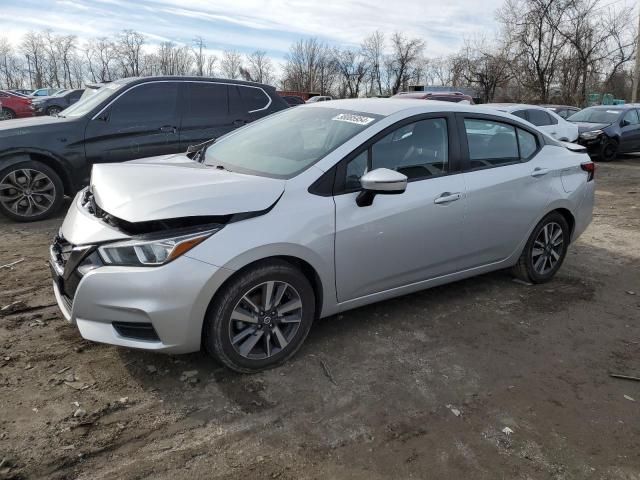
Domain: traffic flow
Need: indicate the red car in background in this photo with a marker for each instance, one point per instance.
(14, 106)
(455, 97)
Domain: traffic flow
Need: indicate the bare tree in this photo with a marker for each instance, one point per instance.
(352, 69)
(231, 64)
(129, 45)
(401, 63)
(259, 67)
(33, 48)
(373, 51)
(531, 27)
(309, 67)
(483, 66)
(211, 65)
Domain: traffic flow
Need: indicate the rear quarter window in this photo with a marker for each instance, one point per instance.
(254, 98)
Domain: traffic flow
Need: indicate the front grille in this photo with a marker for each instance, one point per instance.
(65, 260)
(60, 252)
(136, 331)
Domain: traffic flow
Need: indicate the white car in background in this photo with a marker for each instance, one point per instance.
(545, 120)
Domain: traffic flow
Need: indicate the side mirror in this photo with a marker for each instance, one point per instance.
(380, 181)
(624, 123)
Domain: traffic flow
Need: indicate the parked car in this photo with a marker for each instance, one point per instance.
(319, 98)
(45, 92)
(22, 91)
(564, 111)
(609, 130)
(547, 121)
(455, 97)
(13, 105)
(293, 100)
(312, 211)
(56, 103)
(124, 120)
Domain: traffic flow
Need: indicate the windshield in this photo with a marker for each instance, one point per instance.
(285, 144)
(88, 103)
(595, 115)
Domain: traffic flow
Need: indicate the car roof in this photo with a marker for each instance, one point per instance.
(390, 106)
(131, 80)
(510, 107)
(623, 107)
(551, 105)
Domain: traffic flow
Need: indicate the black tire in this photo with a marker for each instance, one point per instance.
(53, 111)
(608, 151)
(525, 269)
(52, 205)
(218, 328)
(7, 114)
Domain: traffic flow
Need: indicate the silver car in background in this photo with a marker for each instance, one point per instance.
(310, 212)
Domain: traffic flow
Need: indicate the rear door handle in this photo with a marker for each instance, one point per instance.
(168, 129)
(539, 172)
(447, 197)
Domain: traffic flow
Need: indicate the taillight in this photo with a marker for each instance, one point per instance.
(590, 168)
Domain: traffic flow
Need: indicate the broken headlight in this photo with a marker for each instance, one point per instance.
(151, 253)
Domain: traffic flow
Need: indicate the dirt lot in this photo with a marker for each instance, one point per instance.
(418, 387)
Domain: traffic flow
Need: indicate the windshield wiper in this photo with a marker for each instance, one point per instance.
(199, 150)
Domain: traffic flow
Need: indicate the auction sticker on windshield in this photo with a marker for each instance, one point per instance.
(351, 118)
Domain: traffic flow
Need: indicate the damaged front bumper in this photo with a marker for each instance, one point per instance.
(160, 308)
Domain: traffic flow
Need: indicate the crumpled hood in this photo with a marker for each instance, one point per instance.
(174, 186)
(587, 127)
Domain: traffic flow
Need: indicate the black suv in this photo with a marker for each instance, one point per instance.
(608, 130)
(44, 158)
(54, 104)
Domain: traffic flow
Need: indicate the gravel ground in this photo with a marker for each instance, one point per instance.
(485, 379)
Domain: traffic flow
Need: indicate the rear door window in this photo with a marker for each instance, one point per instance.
(206, 101)
(491, 143)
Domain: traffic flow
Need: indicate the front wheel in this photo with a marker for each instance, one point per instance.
(53, 111)
(608, 151)
(260, 318)
(30, 191)
(545, 250)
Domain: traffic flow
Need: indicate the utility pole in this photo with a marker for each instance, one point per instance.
(636, 72)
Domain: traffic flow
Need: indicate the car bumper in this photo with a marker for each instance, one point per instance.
(592, 146)
(156, 308)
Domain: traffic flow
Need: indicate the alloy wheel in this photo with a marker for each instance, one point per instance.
(53, 111)
(547, 248)
(27, 192)
(265, 320)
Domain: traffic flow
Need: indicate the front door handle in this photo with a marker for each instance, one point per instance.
(447, 197)
(168, 129)
(539, 172)
(239, 122)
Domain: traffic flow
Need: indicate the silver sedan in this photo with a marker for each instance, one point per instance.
(239, 245)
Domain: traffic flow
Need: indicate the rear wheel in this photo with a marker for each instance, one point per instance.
(7, 114)
(52, 111)
(545, 250)
(30, 191)
(260, 318)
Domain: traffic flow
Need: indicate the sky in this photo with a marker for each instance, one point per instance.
(248, 25)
